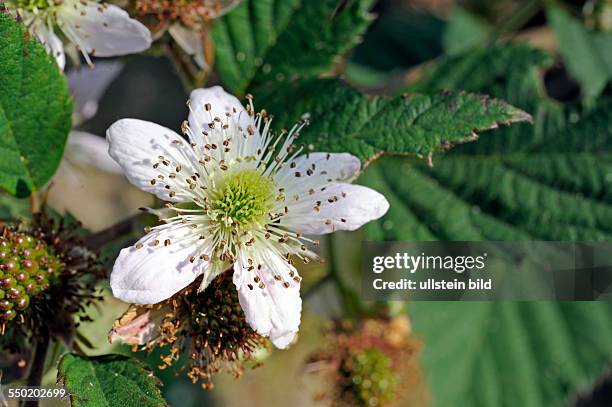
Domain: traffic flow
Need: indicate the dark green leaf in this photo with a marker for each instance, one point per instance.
(264, 41)
(344, 120)
(513, 353)
(109, 380)
(35, 111)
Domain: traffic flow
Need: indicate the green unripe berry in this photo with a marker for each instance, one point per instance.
(373, 377)
(8, 314)
(27, 268)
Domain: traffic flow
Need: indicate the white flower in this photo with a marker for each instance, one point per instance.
(95, 28)
(243, 197)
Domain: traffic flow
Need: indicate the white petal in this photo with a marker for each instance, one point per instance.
(104, 30)
(136, 145)
(138, 325)
(51, 42)
(272, 311)
(154, 272)
(343, 207)
(89, 150)
(316, 170)
(87, 86)
(220, 103)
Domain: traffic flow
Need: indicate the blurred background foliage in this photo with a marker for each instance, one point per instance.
(548, 181)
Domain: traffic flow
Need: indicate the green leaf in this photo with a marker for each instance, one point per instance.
(35, 111)
(344, 120)
(548, 181)
(513, 353)
(109, 380)
(13, 208)
(587, 54)
(264, 41)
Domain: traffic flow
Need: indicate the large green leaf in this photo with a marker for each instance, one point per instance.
(264, 41)
(587, 54)
(344, 120)
(545, 182)
(109, 380)
(513, 353)
(35, 111)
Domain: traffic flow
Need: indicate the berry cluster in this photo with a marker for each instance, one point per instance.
(27, 267)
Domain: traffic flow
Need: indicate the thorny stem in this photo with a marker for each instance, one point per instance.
(38, 366)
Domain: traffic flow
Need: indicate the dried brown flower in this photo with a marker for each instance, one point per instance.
(202, 334)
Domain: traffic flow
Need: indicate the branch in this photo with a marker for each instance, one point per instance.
(95, 241)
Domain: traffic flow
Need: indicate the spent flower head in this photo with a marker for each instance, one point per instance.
(200, 333)
(365, 363)
(186, 21)
(190, 13)
(95, 28)
(241, 197)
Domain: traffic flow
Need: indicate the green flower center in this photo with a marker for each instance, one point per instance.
(244, 198)
(30, 4)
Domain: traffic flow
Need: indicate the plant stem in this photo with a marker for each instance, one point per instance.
(315, 287)
(96, 240)
(38, 366)
(351, 308)
(34, 203)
